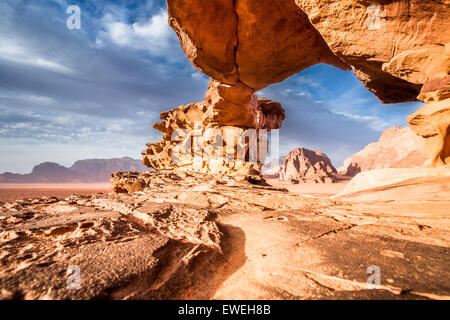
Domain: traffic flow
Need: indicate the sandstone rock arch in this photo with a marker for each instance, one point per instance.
(399, 50)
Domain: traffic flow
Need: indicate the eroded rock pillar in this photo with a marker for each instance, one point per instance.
(432, 121)
(225, 134)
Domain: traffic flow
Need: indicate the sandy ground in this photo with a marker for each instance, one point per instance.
(313, 189)
(325, 256)
(11, 192)
(274, 245)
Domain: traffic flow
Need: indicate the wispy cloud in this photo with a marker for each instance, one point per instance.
(11, 51)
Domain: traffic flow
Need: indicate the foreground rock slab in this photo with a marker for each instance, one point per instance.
(399, 184)
(194, 237)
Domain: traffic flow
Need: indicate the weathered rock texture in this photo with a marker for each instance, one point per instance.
(202, 237)
(221, 135)
(413, 184)
(303, 165)
(393, 47)
(432, 122)
(398, 147)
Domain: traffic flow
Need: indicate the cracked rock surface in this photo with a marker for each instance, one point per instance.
(198, 237)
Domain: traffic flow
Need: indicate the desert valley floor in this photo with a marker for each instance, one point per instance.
(197, 237)
(11, 192)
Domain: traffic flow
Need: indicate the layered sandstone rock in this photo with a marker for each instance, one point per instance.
(398, 147)
(216, 136)
(303, 165)
(394, 47)
(432, 122)
(255, 43)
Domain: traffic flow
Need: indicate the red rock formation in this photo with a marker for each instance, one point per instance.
(398, 147)
(393, 47)
(215, 136)
(432, 122)
(303, 165)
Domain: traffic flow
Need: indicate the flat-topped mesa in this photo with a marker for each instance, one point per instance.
(225, 134)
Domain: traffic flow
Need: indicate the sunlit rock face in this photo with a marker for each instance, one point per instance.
(394, 48)
(202, 137)
(398, 147)
(303, 165)
(432, 122)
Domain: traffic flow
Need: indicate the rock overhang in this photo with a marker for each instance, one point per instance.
(258, 43)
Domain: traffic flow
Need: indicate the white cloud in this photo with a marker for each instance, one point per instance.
(29, 98)
(154, 35)
(12, 51)
(373, 122)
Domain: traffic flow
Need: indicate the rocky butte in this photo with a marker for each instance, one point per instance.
(303, 165)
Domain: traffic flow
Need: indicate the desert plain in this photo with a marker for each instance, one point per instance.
(11, 192)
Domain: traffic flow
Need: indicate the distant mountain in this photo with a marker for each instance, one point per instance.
(304, 165)
(82, 171)
(301, 165)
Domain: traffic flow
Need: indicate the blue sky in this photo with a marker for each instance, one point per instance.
(67, 94)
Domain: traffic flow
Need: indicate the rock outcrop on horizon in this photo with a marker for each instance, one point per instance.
(398, 147)
(82, 171)
(303, 165)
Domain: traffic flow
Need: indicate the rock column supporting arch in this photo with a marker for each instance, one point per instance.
(225, 134)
